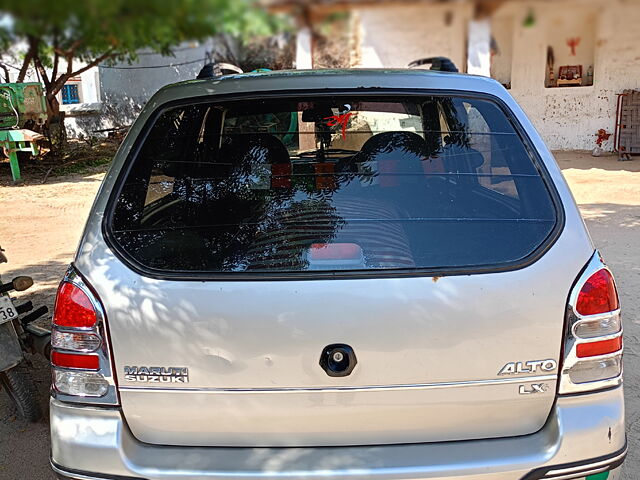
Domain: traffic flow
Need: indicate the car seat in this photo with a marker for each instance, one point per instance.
(395, 157)
(250, 155)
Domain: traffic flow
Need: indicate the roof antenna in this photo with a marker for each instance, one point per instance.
(442, 64)
(217, 69)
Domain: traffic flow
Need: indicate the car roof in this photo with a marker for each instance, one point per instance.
(329, 79)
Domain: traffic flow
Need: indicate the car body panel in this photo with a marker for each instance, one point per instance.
(338, 417)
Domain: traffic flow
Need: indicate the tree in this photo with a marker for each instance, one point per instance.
(64, 38)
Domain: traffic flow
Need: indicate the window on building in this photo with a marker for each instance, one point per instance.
(70, 93)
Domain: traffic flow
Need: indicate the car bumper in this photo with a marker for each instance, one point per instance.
(584, 435)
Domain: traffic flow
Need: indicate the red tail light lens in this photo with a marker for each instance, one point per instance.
(602, 347)
(73, 360)
(73, 308)
(598, 295)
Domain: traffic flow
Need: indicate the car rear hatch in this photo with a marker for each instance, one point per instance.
(428, 355)
(407, 230)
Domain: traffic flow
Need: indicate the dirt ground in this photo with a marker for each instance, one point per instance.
(41, 226)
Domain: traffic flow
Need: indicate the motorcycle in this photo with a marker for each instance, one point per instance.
(18, 335)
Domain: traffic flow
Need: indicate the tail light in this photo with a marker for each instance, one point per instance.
(80, 356)
(593, 341)
(335, 251)
(329, 256)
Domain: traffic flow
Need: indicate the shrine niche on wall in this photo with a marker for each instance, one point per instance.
(571, 50)
(569, 75)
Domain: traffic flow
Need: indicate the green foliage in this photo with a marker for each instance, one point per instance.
(90, 28)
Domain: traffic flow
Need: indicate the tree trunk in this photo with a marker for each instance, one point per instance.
(29, 56)
(25, 67)
(54, 127)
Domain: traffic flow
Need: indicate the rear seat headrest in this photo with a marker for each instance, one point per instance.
(263, 147)
(387, 142)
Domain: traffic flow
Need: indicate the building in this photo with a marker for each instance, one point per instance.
(111, 95)
(125, 87)
(519, 43)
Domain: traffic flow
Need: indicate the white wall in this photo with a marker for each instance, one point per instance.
(395, 36)
(90, 86)
(125, 87)
(569, 117)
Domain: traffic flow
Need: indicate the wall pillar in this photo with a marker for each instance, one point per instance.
(479, 47)
(304, 57)
(304, 60)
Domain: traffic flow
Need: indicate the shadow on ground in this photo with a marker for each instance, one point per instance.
(37, 174)
(583, 160)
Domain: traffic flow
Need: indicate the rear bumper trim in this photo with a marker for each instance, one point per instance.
(558, 472)
(467, 383)
(568, 471)
(66, 474)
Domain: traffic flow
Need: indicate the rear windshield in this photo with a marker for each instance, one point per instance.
(342, 183)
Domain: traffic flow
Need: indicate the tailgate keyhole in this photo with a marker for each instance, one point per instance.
(338, 360)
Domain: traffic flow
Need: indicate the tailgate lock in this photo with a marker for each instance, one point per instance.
(338, 360)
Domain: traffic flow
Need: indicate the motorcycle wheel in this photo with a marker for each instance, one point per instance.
(17, 382)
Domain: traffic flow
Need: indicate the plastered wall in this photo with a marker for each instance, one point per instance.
(568, 117)
(393, 36)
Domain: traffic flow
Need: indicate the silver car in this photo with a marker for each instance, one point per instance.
(336, 274)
